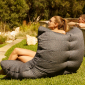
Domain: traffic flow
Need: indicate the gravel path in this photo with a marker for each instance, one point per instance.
(6, 47)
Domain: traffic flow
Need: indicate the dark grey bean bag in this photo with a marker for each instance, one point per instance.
(57, 54)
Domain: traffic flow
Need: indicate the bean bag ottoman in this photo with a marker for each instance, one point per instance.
(56, 54)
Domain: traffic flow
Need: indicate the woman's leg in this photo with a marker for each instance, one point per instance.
(25, 58)
(23, 55)
(18, 52)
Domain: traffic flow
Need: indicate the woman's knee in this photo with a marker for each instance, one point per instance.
(15, 51)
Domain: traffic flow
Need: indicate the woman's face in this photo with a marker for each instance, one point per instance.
(51, 23)
(80, 20)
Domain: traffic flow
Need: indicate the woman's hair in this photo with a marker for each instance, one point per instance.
(83, 16)
(62, 23)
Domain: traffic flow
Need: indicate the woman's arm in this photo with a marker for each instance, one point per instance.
(81, 25)
(72, 23)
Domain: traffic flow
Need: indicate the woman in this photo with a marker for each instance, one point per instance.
(81, 22)
(56, 24)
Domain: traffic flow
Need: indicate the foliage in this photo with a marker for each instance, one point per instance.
(31, 28)
(2, 39)
(37, 8)
(48, 8)
(13, 11)
(4, 27)
(76, 7)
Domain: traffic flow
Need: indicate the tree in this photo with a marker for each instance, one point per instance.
(37, 8)
(4, 14)
(13, 11)
(75, 8)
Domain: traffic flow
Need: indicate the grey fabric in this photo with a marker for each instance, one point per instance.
(56, 54)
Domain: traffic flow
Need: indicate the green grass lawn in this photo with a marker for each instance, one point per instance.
(70, 79)
(1, 45)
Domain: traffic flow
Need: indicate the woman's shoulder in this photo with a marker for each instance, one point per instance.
(62, 31)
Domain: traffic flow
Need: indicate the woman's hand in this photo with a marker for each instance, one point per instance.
(81, 25)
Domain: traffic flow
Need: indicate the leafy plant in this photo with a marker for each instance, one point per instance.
(2, 39)
(13, 12)
(30, 29)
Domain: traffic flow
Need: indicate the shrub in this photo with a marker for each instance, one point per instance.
(30, 29)
(2, 39)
